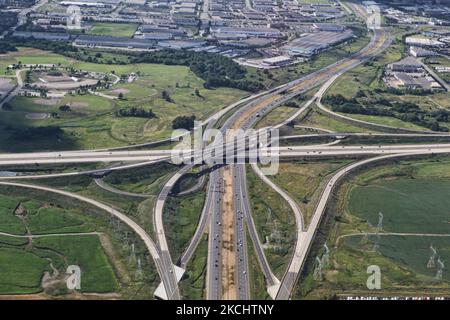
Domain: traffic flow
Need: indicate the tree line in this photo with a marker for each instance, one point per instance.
(136, 112)
(405, 111)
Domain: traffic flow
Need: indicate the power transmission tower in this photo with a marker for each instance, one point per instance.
(318, 270)
(431, 261)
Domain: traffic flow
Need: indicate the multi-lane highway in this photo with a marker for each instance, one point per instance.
(246, 116)
(227, 213)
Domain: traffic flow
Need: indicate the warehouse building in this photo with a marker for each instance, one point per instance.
(314, 43)
(113, 42)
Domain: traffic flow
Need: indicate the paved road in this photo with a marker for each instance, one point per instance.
(151, 246)
(442, 82)
(378, 43)
(83, 172)
(50, 235)
(201, 226)
(214, 266)
(242, 202)
(241, 211)
(83, 157)
(15, 91)
(171, 286)
(102, 184)
(140, 158)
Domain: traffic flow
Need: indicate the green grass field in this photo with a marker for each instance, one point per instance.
(92, 122)
(410, 252)
(104, 265)
(275, 116)
(181, 215)
(413, 197)
(408, 205)
(305, 180)
(21, 271)
(96, 273)
(322, 121)
(193, 284)
(113, 29)
(388, 121)
(274, 220)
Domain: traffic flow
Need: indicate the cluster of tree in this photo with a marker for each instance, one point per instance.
(28, 76)
(35, 132)
(183, 122)
(6, 46)
(64, 107)
(292, 104)
(136, 112)
(215, 69)
(166, 96)
(7, 106)
(59, 47)
(400, 92)
(405, 111)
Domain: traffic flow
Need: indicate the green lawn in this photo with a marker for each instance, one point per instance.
(113, 29)
(410, 252)
(96, 272)
(181, 215)
(275, 116)
(21, 271)
(10, 223)
(388, 121)
(318, 120)
(193, 284)
(408, 205)
(274, 220)
(304, 181)
(413, 197)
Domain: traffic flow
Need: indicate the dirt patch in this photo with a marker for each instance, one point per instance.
(244, 117)
(20, 210)
(228, 252)
(78, 105)
(37, 116)
(120, 90)
(47, 102)
(5, 85)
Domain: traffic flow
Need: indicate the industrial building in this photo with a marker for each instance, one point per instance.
(244, 32)
(313, 43)
(408, 64)
(113, 42)
(421, 53)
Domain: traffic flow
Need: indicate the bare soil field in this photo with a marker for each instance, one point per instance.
(228, 253)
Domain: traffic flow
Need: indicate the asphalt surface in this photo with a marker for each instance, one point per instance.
(212, 210)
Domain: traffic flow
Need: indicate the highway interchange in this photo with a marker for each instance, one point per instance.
(244, 115)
